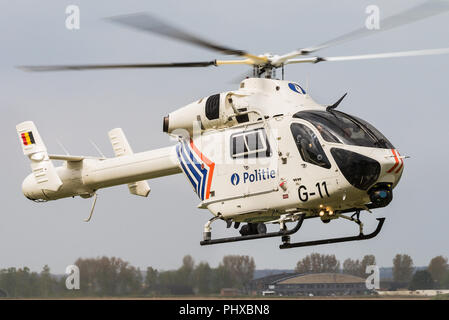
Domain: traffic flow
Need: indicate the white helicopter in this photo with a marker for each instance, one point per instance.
(264, 153)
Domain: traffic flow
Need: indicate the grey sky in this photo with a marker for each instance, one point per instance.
(407, 99)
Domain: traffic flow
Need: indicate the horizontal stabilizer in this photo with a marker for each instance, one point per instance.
(34, 148)
(122, 148)
(66, 157)
(71, 158)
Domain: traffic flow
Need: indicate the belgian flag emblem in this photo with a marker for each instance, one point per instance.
(27, 138)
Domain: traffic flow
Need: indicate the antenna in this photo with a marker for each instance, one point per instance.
(96, 148)
(335, 105)
(62, 147)
(307, 83)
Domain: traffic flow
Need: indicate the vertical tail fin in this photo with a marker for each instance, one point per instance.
(34, 148)
(121, 148)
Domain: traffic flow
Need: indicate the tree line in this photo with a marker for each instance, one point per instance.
(108, 277)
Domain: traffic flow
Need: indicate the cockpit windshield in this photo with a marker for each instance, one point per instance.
(338, 127)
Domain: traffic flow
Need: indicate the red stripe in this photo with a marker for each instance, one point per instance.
(402, 164)
(209, 163)
(397, 161)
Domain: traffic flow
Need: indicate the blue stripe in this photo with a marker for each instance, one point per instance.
(184, 168)
(192, 170)
(189, 164)
(192, 164)
(203, 171)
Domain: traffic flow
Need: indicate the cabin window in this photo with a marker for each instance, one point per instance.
(248, 144)
(309, 146)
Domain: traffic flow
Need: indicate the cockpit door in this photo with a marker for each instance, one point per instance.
(309, 166)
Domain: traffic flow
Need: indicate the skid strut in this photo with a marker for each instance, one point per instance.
(361, 236)
(283, 233)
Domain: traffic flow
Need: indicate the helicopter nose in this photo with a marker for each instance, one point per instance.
(377, 172)
(392, 166)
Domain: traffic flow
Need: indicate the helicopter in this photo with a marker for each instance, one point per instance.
(265, 153)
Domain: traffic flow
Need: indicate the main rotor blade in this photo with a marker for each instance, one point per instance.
(150, 23)
(427, 52)
(118, 66)
(417, 13)
(391, 55)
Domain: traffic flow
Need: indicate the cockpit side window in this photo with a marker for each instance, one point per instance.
(309, 146)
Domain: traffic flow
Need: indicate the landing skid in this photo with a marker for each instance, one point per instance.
(282, 233)
(285, 234)
(361, 236)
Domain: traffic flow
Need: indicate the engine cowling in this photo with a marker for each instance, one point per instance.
(214, 112)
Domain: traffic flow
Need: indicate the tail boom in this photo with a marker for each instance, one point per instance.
(83, 176)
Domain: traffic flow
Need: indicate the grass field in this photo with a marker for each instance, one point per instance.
(199, 298)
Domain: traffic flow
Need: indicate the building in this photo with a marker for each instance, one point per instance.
(229, 292)
(316, 284)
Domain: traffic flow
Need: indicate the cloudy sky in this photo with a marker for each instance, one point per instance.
(407, 99)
